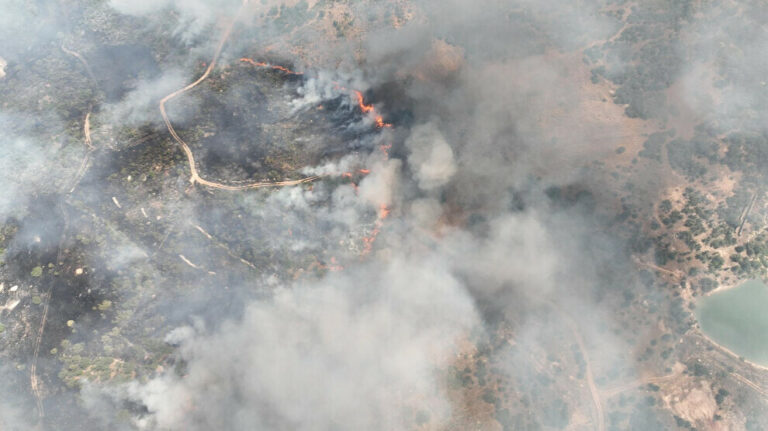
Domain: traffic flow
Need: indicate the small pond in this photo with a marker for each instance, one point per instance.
(738, 320)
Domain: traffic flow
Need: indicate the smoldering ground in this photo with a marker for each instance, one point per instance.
(362, 348)
(478, 235)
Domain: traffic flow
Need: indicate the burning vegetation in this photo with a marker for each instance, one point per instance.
(376, 207)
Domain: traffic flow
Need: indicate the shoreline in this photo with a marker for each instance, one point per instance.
(723, 288)
(729, 351)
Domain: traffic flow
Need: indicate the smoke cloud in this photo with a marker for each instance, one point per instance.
(468, 254)
(349, 353)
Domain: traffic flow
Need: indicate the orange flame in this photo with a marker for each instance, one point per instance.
(332, 266)
(269, 66)
(385, 148)
(368, 242)
(366, 109)
(383, 211)
(360, 171)
(370, 239)
(363, 107)
(378, 119)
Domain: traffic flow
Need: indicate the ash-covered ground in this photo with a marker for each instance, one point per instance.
(395, 215)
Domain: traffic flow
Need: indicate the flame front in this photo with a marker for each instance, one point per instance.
(366, 109)
(383, 210)
(363, 107)
(370, 239)
(378, 119)
(269, 66)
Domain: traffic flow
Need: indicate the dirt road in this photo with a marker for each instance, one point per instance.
(600, 413)
(596, 401)
(615, 390)
(195, 177)
(89, 148)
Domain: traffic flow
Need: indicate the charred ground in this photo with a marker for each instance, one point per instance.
(135, 250)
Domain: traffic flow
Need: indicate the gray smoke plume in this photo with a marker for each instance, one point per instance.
(478, 229)
(349, 353)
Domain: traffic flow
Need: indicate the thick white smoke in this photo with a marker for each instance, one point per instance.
(358, 350)
(431, 157)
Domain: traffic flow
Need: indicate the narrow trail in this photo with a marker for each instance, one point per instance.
(745, 213)
(751, 384)
(615, 390)
(224, 247)
(34, 381)
(596, 401)
(81, 59)
(600, 413)
(194, 174)
(33, 378)
(87, 123)
(677, 273)
(89, 148)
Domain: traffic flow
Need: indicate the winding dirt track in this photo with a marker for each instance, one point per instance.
(600, 414)
(89, 148)
(195, 178)
(751, 384)
(597, 402)
(34, 382)
(81, 59)
(677, 273)
(615, 390)
(194, 174)
(745, 213)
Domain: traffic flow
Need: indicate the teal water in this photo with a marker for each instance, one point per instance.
(738, 319)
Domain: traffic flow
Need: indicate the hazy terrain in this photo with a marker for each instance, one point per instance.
(379, 215)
